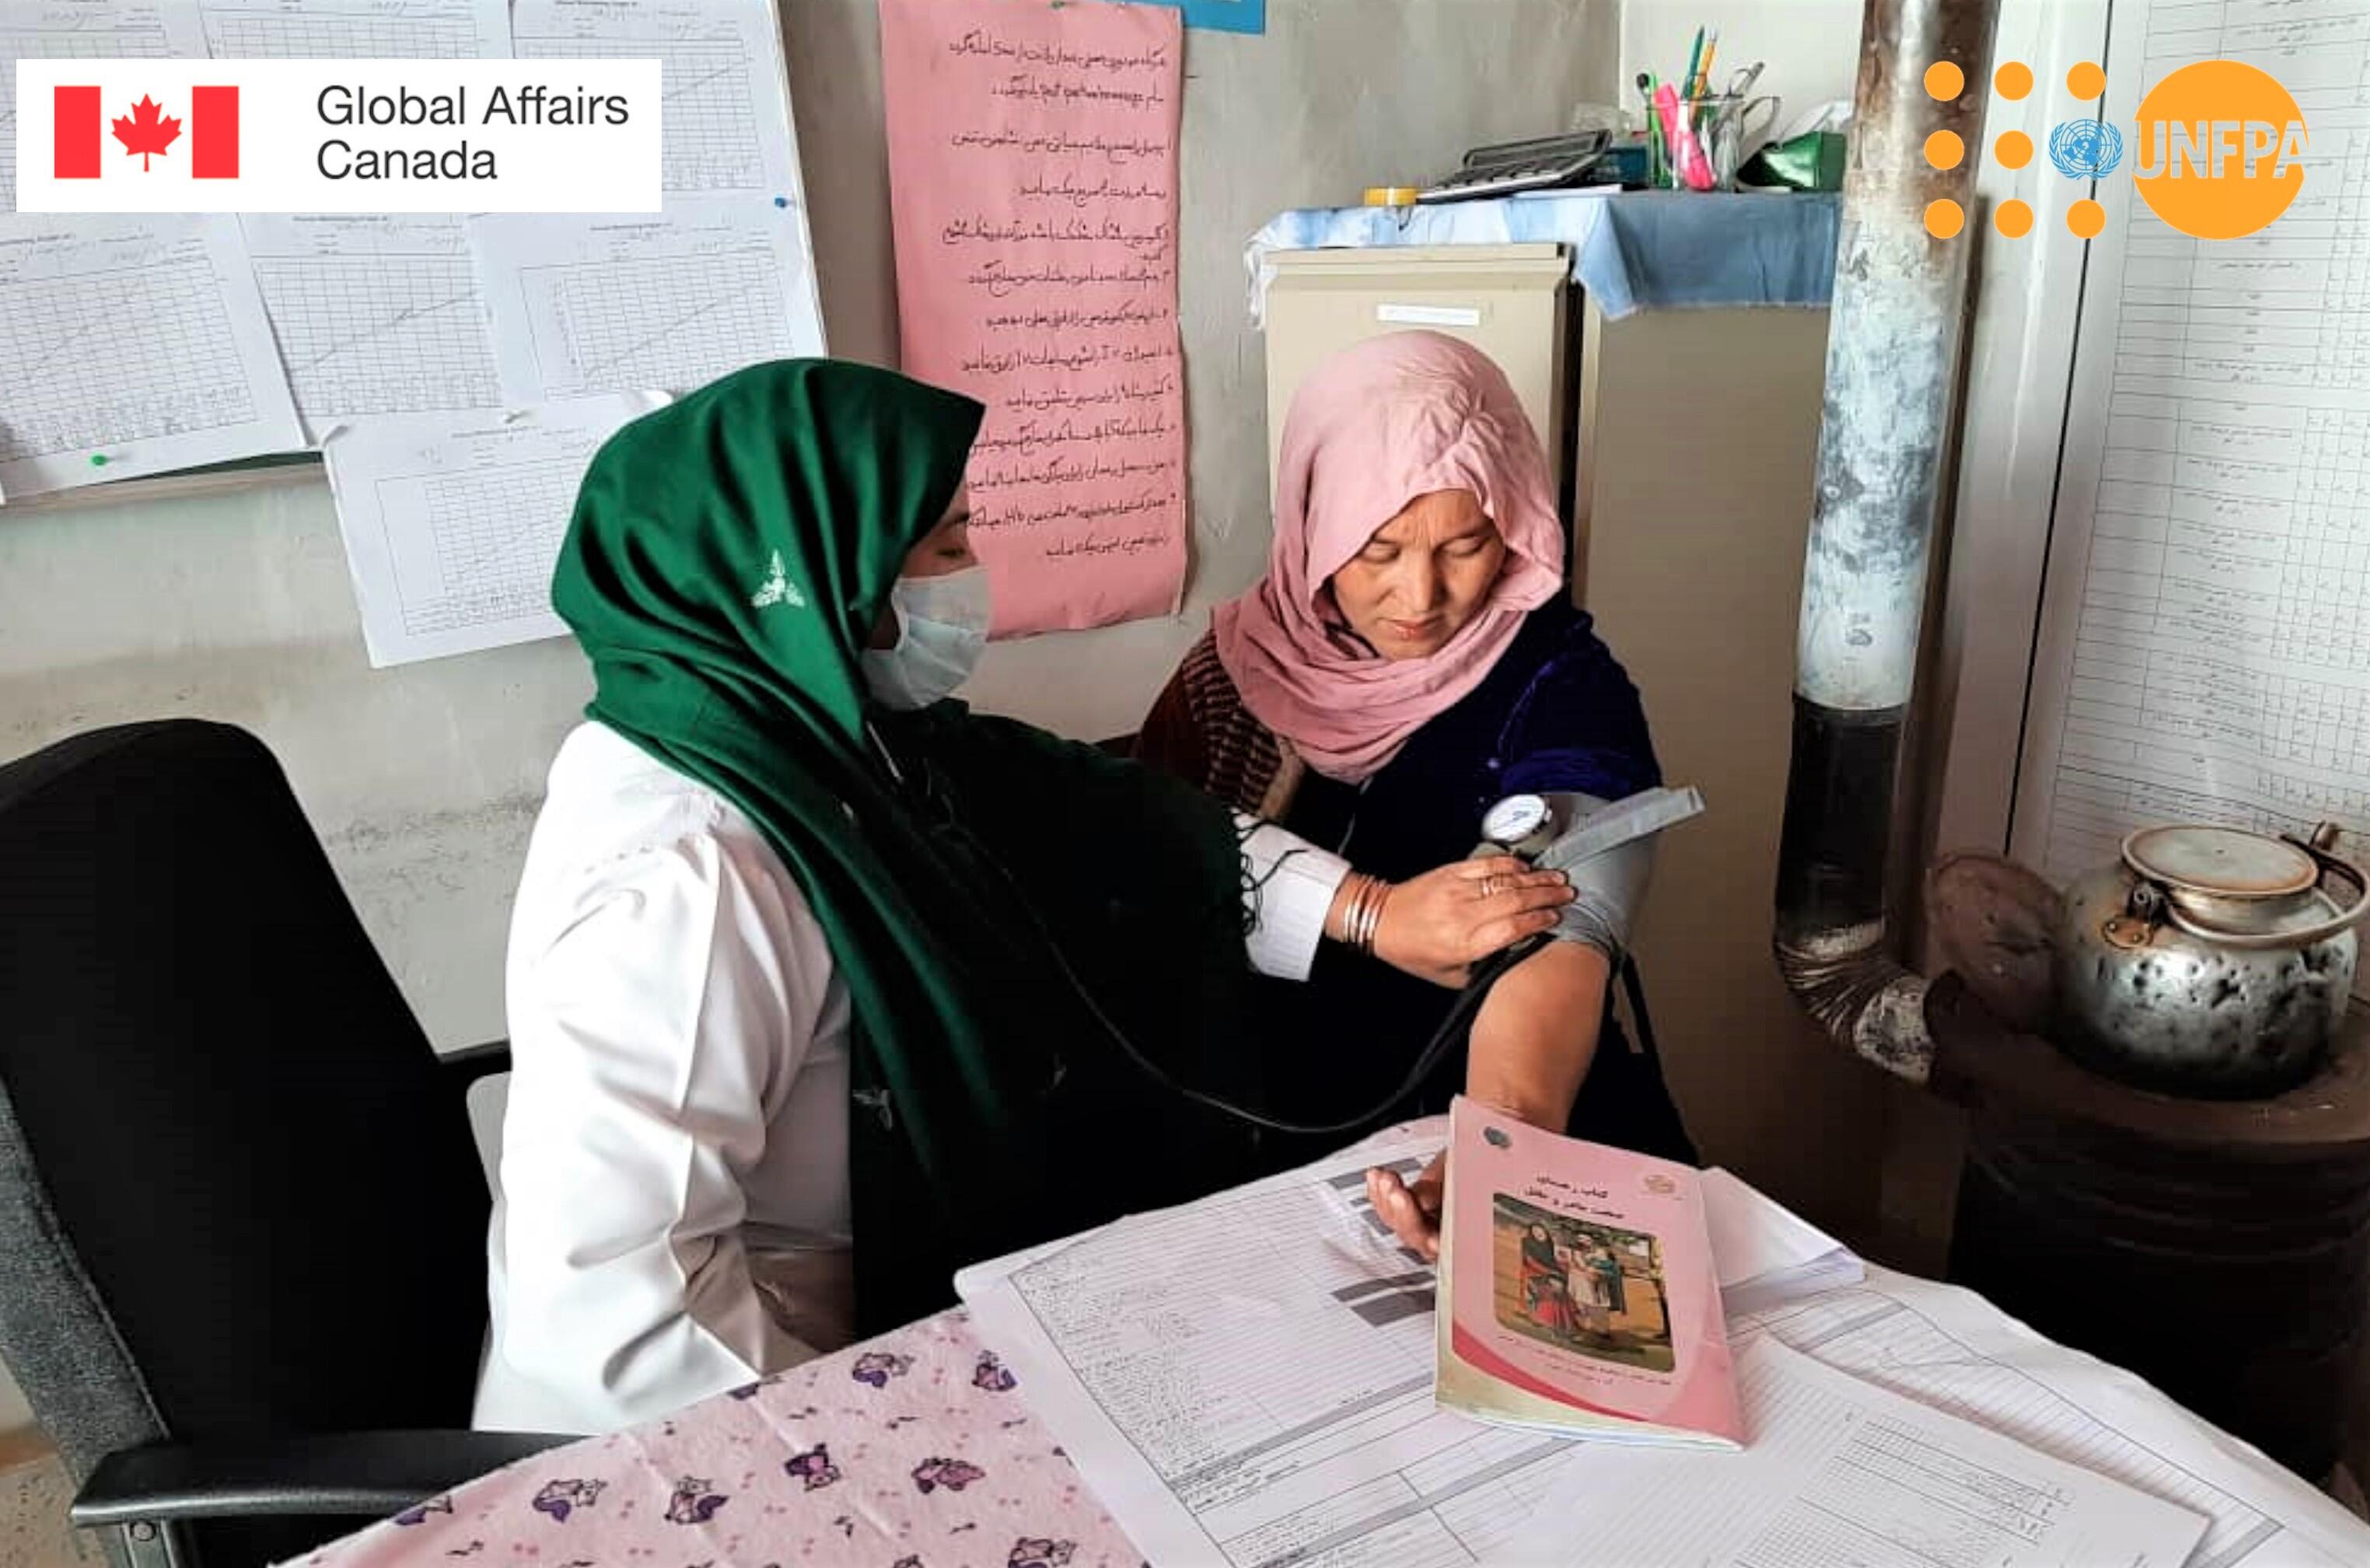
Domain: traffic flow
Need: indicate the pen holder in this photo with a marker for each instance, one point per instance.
(1716, 133)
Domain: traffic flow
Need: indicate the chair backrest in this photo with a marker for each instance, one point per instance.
(236, 1195)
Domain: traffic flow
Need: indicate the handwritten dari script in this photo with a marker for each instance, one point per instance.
(1033, 171)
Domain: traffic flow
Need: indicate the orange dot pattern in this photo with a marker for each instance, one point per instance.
(2086, 81)
(2086, 219)
(2013, 81)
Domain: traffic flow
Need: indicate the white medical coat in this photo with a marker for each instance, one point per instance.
(673, 1214)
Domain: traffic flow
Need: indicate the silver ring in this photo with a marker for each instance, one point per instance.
(1489, 886)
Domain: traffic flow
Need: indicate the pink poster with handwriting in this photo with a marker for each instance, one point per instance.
(1033, 171)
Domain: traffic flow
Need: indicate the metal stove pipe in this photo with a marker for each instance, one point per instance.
(1892, 366)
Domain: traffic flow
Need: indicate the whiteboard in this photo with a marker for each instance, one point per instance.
(355, 324)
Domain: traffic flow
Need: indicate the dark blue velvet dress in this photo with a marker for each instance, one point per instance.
(1556, 713)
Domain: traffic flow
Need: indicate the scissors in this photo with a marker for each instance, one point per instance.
(1740, 111)
(1750, 136)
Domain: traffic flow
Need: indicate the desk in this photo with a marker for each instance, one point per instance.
(912, 1451)
(919, 1450)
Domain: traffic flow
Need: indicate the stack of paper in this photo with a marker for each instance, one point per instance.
(1840, 1471)
(1766, 1253)
(1247, 1381)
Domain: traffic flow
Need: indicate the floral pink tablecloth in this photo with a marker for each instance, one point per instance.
(912, 1451)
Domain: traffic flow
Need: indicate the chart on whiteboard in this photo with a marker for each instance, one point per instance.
(2204, 646)
(623, 304)
(356, 29)
(726, 118)
(131, 346)
(453, 521)
(374, 314)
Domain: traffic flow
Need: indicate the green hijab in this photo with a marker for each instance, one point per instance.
(727, 557)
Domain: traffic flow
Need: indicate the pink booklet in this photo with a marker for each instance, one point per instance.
(1576, 1291)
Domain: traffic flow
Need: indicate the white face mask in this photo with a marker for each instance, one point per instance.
(941, 629)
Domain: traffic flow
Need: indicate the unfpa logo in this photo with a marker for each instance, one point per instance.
(2221, 150)
(2216, 150)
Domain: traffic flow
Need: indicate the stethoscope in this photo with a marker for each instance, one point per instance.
(1556, 832)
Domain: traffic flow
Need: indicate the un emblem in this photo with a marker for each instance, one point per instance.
(2086, 149)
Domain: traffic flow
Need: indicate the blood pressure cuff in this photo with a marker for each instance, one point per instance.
(1608, 890)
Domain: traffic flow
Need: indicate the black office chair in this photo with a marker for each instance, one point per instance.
(241, 1216)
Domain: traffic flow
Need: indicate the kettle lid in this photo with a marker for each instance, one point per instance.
(2220, 862)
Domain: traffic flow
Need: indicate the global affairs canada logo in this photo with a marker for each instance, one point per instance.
(186, 135)
(147, 132)
(2216, 149)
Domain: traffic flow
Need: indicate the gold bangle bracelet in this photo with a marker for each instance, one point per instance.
(1372, 924)
(1359, 883)
(1364, 915)
(1375, 915)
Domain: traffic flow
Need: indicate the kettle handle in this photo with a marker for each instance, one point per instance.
(2321, 846)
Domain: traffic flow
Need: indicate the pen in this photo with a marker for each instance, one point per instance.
(1695, 59)
(1703, 73)
(1654, 152)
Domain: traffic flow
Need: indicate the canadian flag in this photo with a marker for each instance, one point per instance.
(80, 120)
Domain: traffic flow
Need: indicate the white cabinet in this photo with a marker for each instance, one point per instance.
(1506, 300)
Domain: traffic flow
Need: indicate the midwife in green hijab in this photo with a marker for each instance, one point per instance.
(820, 986)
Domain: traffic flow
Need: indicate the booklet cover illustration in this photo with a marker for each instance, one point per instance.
(1578, 1291)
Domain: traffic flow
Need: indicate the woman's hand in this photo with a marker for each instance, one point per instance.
(1531, 1049)
(1411, 1209)
(1442, 923)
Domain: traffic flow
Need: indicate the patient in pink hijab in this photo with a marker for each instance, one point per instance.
(1411, 658)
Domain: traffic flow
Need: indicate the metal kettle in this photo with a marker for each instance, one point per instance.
(2205, 960)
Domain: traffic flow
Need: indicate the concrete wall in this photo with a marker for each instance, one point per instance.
(236, 605)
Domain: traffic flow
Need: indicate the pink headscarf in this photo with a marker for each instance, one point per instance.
(1372, 429)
